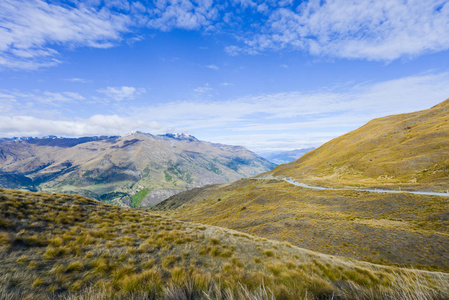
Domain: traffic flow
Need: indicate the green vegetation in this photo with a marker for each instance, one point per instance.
(111, 196)
(395, 229)
(138, 197)
(168, 177)
(61, 246)
(110, 169)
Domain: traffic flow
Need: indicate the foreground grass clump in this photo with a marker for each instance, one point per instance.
(69, 247)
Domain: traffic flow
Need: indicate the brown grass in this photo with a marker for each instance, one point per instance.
(43, 258)
(395, 229)
(406, 150)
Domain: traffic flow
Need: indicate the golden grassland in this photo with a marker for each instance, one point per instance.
(55, 246)
(408, 150)
(394, 229)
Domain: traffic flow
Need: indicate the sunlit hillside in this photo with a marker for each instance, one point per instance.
(408, 150)
(402, 229)
(54, 246)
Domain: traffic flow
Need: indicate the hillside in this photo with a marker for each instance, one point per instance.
(399, 229)
(408, 150)
(138, 169)
(55, 246)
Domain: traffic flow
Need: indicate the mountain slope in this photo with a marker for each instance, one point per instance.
(139, 169)
(398, 228)
(69, 247)
(403, 229)
(408, 150)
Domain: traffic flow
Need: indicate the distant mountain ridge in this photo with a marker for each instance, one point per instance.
(138, 169)
(283, 157)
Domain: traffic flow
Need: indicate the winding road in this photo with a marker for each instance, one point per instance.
(289, 180)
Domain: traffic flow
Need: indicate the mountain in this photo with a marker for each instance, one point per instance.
(401, 228)
(283, 157)
(55, 246)
(137, 169)
(407, 150)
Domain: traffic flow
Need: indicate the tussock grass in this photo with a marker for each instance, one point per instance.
(107, 252)
(391, 229)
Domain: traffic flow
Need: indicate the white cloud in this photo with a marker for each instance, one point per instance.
(122, 93)
(260, 122)
(205, 89)
(29, 30)
(43, 97)
(183, 14)
(305, 115)
(95, 125)
(374, 30)
(80, 80)
(32, 31)
(278, 141)
(213, 67)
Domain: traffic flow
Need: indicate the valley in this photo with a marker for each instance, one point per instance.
(224, 150)
(334, 209)
(137, 169)
(302, 230)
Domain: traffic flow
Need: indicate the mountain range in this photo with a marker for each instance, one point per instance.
(408, 151)
(138, 169)
(263, 237)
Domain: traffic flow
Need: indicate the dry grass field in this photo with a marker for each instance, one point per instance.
(394, 229)
(55, 246)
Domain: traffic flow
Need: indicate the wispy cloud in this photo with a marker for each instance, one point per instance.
(95, 125)
(80, 80)
(32, 31)
(184, 14)
(122, 93)
(374, 30)
(213, 67)
(277, 121)
(300, 114)
(29, 31)
(205, 89)
(43, 97)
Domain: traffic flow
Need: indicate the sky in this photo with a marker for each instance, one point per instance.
(268, 75)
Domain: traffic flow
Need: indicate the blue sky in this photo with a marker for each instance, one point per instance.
(268, 75)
